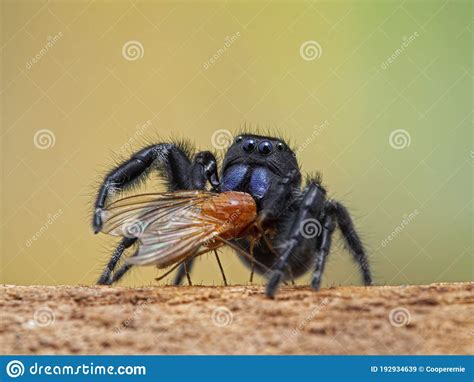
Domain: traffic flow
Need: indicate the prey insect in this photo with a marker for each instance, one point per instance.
(173, 227)
(298, 220)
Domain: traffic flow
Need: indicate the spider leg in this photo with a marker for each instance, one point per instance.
(171, 160)
(324, 246)
(119, 273)
(291, 276)
(352, 239)
(135, 168)
(183, 271)
(180, 173)
(278, 196)
(310, 209)
(203, 170)
(124, 244)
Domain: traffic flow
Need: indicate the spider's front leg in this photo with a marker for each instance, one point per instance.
(325, 214)
(203, 171)
(173, 162)
(309, 210)
(280, 195)
(171, 159)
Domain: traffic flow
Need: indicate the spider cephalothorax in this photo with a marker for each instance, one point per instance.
(298, 221)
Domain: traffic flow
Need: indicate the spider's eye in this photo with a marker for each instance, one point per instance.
(280, 146)
(265, 147)
(249, 145)
(238, 139)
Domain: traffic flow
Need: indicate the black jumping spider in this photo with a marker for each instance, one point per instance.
(300, 220)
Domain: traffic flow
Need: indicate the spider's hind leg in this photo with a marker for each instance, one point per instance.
(352, 239)
(324, 246)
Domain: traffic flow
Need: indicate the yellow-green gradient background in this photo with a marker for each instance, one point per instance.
(92, 99)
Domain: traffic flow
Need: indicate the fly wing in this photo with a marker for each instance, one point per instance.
(169, 226)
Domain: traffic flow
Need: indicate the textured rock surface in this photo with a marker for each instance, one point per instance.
(431, 319)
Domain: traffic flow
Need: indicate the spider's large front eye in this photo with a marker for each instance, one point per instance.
(249, 145)
(265, 147)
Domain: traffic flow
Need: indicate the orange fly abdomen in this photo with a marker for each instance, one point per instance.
(236, 210)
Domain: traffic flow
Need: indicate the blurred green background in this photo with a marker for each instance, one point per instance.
(376, 95)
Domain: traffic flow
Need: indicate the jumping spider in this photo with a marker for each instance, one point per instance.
(267, 169)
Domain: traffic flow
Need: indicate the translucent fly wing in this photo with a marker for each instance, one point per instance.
(165, 250)
(130, 216)
(169, 226)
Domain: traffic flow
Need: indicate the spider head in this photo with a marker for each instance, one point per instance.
(270, 157)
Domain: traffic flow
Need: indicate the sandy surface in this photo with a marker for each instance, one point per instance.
(430, 319)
